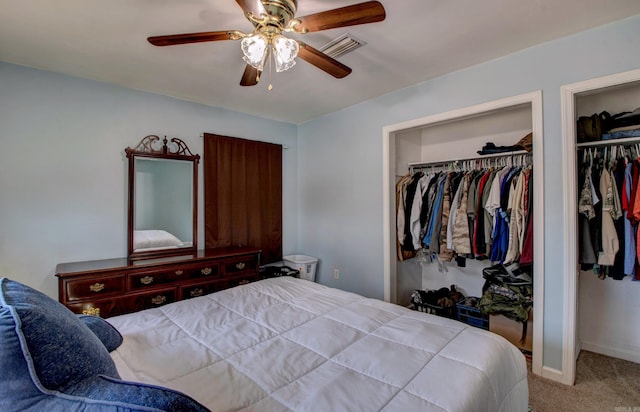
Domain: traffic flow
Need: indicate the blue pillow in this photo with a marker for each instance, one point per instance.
(108, 335)
(50, 360)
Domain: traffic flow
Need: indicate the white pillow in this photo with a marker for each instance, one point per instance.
(149, 239)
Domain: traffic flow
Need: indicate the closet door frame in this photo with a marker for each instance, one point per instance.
(568, 94)
(534, 99)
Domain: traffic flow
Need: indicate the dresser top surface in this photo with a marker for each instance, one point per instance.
(124, 263)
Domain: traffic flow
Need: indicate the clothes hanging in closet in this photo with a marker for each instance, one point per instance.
(609, 211)
(484, 213)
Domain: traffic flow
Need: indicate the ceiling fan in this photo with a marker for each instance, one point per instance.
(272, 18)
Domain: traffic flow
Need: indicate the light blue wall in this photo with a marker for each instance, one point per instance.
(340, 157)
(63, 182)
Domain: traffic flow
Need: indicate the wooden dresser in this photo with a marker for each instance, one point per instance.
(116, 286)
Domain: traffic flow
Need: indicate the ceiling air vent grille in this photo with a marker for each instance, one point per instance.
(342, 45)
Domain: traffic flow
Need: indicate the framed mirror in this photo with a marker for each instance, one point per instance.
(163, 198)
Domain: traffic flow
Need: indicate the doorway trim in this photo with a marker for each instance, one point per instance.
(388, 205)
(569, 145)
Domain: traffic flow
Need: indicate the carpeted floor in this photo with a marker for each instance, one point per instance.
(603, 384)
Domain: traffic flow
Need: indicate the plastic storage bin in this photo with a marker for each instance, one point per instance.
(469, 313)
(441, 302)
(267, 272)
(305, 264)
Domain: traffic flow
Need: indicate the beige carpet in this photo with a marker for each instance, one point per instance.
(602, 384)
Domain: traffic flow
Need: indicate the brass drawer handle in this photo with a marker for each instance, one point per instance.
(206, 271)
(178, 272)
(96, 287)
(91, 311)
(196, 292)
(240, 265)
(159, 300)
(146, 280)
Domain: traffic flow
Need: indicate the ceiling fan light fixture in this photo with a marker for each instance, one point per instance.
(284, 51)
(255, 50)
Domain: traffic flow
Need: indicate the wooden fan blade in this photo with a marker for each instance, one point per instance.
(362, 13)
(251, 6)
(173, 39)
(250, 77)
(322, 61)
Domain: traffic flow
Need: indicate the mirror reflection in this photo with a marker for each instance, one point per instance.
(163, 204)
(162, 198)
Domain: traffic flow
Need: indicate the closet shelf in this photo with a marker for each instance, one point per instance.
(613, 142)
(466, 159)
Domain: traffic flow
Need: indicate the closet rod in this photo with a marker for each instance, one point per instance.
(466, 159)
(613, 142)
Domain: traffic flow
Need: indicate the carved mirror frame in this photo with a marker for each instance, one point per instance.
(152, 147)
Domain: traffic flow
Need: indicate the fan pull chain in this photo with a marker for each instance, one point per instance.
(269, 58)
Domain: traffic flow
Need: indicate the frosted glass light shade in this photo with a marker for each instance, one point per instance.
(285, 52)
(254, 49)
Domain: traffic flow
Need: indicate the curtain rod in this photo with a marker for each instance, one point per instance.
(283, 146)
(484, 157)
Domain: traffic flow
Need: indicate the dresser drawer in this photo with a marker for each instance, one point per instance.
(157, 277)
(89, 288)
(201, 289)
(103, 308)
(243, 264)
(242, 279)
(204, 270)
(151, 299)
(120, 305)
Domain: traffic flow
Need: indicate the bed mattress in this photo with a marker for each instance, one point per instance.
(288, 344)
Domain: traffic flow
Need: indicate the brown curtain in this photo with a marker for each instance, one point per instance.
(243, 194)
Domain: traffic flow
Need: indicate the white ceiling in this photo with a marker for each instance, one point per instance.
(105, 40)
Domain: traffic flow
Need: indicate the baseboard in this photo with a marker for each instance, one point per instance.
(553, 374)
(632, 355)
(556, 375)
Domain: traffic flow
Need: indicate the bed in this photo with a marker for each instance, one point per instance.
(289, 344)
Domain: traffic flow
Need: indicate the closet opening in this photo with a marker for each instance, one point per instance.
(600, 295)
(450, 142)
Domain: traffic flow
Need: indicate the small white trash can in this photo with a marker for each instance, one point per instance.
(305, 264)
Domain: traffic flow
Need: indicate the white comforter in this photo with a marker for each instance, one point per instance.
(288, 344)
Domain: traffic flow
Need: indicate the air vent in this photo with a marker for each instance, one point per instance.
(342, 45)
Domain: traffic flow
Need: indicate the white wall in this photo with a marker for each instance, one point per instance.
(608, 316)
(340, 206)
(63, 181)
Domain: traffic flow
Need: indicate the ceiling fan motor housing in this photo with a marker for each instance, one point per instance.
(283, 10)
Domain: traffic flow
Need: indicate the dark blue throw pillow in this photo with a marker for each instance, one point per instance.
(108, 335)
(51, 361)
